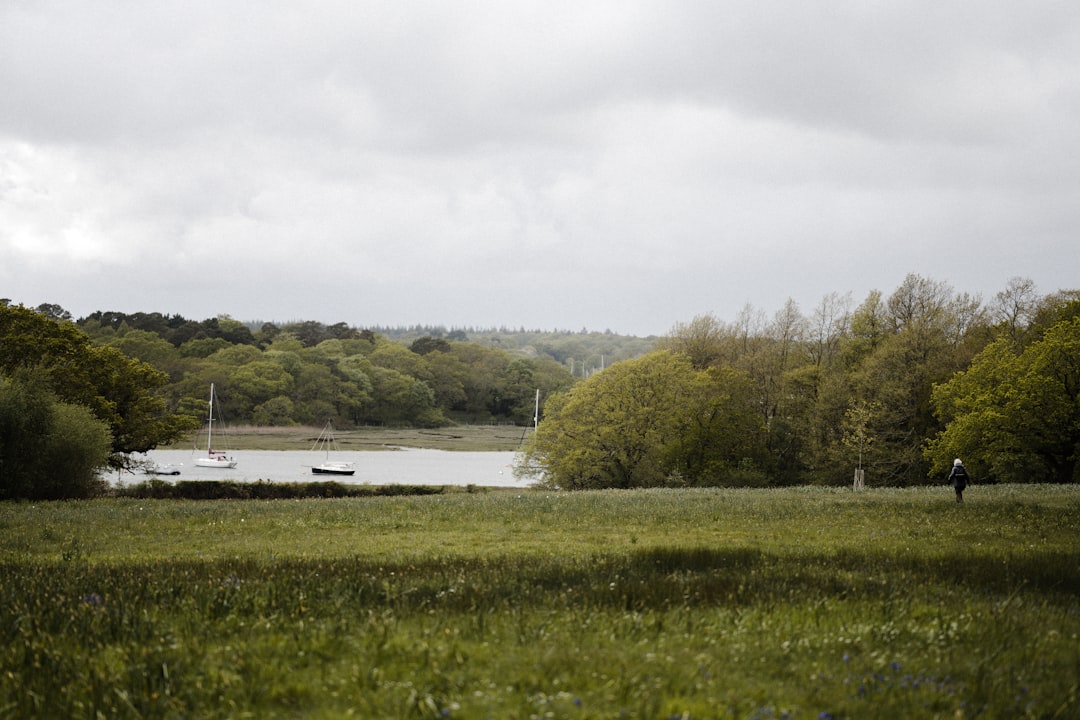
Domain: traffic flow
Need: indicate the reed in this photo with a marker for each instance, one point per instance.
(475, 438)
(800, 603)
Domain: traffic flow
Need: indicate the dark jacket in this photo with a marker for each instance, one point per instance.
(958, 477)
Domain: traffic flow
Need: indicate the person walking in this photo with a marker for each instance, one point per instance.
(959, 479)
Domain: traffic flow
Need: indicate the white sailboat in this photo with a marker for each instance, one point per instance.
(214, 458)
(326, 443)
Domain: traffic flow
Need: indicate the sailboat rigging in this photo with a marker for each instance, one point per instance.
(326, 443)
(214, 458)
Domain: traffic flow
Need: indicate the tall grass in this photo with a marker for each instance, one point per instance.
(800, 603)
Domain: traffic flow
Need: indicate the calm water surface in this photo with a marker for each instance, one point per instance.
(401, 467)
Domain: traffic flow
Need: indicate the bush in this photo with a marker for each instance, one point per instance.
(49, 450)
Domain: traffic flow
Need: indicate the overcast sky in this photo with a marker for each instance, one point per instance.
(618, 165)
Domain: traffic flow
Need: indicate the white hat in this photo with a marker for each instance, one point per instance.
(957, 462)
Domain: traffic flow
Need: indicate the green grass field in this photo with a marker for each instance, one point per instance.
(794, 603)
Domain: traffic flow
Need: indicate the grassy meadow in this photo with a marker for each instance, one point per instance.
(793, 603)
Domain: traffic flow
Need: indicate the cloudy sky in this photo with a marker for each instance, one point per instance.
(620, 165)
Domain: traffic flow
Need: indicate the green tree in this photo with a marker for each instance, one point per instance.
(614, 429)
(49, 450)
(704, 340)
(647, 422)
(398, 399)
(1014, 416)
(277, 411)
(255, 383)
(120, 391)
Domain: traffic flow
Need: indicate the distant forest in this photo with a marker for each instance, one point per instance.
(309, 372)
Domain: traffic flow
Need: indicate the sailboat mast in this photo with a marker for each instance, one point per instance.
(210, 425)
(536, 411)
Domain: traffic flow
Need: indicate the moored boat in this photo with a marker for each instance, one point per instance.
(325, 443)
(214, 458)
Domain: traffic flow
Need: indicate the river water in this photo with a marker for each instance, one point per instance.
(406, 466)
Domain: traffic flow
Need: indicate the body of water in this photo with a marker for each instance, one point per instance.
(391, 467)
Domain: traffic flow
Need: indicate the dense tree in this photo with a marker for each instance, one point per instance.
(428, 344)
(119, 390)
(702, 340)
(49, 450)
(1014, 415)
(654, 420)
(55, 312)
(256, 382)
(616, 428)
(398, 399)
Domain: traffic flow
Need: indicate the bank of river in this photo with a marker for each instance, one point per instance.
(405, 466)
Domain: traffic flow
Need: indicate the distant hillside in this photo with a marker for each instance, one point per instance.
(584, 352)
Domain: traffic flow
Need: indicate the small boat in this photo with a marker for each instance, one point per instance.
(333, 468)
(214, 458)
(325, 442)
(162, 470)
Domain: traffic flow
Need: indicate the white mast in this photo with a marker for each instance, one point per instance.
(210, 425)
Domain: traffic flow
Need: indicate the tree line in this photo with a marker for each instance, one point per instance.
(898, 386)
(308, 373)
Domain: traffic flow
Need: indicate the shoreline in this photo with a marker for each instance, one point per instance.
(471, 438)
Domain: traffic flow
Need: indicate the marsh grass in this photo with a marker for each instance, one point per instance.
(475, 438)
(802, 603)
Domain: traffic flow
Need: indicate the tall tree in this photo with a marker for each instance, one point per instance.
(1014, 416)
(120, 391)
(651, 421)
(49, 450)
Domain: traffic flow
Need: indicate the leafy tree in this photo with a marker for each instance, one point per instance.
(49, 450)
(448, 377)
(277, 411)
(310, 332)
(256, 382)
(516, 397)
(149, 347)
(1014, 416)
(703, 340)
(722, 440)
(203, 347)
(613, 429)
(322, 395)
(428, 344)
(395, 356)
(53, 311)
(78, 448)
(120, 391)
(398, 399)
(646, 422)
(236, 355)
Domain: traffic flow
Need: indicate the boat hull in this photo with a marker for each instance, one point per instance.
(333, 469)
(225, 463)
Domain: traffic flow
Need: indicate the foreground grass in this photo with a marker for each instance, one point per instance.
(655, 604)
